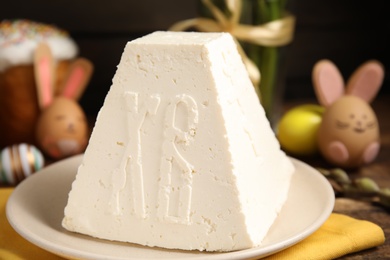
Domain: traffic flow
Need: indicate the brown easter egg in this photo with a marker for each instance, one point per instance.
(349, 132)
(62, 129)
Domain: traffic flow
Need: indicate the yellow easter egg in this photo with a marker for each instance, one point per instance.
(297, 130)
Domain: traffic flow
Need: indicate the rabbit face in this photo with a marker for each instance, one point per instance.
(350, 115)
(62, 129)
(351, 121)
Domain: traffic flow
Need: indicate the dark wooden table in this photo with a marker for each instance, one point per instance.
(379, 171)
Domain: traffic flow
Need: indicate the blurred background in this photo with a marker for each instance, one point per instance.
(348, 32)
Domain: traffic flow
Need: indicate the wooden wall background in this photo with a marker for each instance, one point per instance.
(348, 32)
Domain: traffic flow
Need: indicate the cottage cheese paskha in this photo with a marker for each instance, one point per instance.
(181, 155)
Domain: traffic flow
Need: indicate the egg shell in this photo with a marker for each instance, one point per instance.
(352, 122)
(63, 121)
(298, 128)
(18, 162)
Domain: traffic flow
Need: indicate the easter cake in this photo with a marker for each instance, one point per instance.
(181, 155)
(18, 99)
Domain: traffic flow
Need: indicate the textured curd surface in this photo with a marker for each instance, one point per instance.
(181, 155)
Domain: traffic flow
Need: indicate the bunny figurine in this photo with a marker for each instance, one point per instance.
(349, 132)
(62, 128)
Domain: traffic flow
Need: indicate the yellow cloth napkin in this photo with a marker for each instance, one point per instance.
(12, 245)
(338, 236)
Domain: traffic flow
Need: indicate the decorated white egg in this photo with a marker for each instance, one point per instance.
(18, 162)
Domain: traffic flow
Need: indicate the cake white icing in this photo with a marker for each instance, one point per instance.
(181, 155)
(19, 38)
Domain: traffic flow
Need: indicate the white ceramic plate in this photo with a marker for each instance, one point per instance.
(35, 211)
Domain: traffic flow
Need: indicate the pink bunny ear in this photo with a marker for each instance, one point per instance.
(77, 78)
(328, 82)
(366, 81)
(44, 74)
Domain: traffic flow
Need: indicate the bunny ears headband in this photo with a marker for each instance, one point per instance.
(75, 81)
(328, 83)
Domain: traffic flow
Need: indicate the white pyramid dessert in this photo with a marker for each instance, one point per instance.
(181, 155)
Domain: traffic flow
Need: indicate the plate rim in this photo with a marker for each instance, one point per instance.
(259, 251)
